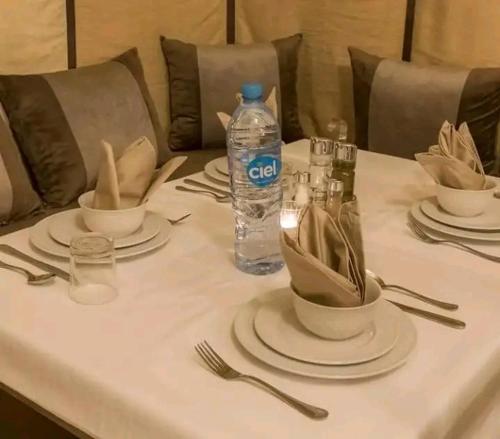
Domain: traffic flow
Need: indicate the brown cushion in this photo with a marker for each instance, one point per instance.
(400, 107)
(59, 120)
(204, 80)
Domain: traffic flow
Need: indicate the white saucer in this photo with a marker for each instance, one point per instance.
(244, 331)
(65, 225)
(222, 166)
(423, 219)
(40, 238)
(212, 172)
(277, 325)
(489, 220)
(215, 168)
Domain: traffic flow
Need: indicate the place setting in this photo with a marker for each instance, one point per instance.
(117, 208)
(112, 223)
(464, 207)
(332, 321)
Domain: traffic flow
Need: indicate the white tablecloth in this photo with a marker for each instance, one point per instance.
(128, 369)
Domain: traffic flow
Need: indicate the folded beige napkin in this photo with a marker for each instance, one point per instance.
(129, 181)
(325, 260)
(271, 102)
(454, 161)
(122, 184)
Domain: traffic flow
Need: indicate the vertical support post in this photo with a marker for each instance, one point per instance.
(408, 32)
(71, 33)
(230, 21)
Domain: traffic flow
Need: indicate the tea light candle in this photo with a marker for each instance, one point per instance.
(289, 216)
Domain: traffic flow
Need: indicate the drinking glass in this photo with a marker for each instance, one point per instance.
(92, 269)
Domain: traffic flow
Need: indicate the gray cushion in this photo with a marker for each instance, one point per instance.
(400, 107)
(59, 120)
(204, 80)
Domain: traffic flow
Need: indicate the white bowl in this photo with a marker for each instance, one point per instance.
(338, 323)
(113, 223)
(461, 202)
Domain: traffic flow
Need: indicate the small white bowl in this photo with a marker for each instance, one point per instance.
(467, 203)
(113, 223)
(338, 323)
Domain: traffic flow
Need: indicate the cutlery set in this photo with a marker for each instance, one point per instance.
(50, 269)
(216, 171)
(434, 225)
(426, 237)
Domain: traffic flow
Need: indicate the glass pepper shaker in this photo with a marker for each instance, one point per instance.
(320, 166)
(302, 191)
(335, 192)
(343, 167)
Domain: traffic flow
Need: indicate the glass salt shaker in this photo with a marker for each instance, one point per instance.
(320, 166)
(302, 191)
(335, 191)
(343, 167)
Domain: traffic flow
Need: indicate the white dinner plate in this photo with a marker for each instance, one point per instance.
(246, 335)
(212, 172)
(64, 226)
(488, 220)
(436, 226)
(213, 168)
(40, 238)
(277, 325)
(222, 166)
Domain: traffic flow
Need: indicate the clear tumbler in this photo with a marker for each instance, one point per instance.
(93, 269)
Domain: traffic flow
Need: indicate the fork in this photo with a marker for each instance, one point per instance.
(425, 237)
(218, 198)
(221, 368)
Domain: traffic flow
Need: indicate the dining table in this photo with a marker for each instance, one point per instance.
(128, 369)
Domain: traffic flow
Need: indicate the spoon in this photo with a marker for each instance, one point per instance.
(383, 285)
(33, 279)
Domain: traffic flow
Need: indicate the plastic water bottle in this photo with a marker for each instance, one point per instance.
(254, 150)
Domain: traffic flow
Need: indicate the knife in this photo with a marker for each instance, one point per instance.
(454, 323)
(207, 186)
(7, 249)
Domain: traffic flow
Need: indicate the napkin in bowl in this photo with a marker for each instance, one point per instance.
(454, 162)
(325, 260)
(130, 180)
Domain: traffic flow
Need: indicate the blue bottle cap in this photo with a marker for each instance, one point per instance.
(251, 90)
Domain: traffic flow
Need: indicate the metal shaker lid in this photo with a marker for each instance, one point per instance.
(321, 146)
(334, 185)
(302, 177)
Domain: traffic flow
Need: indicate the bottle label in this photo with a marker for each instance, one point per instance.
(264, 170)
